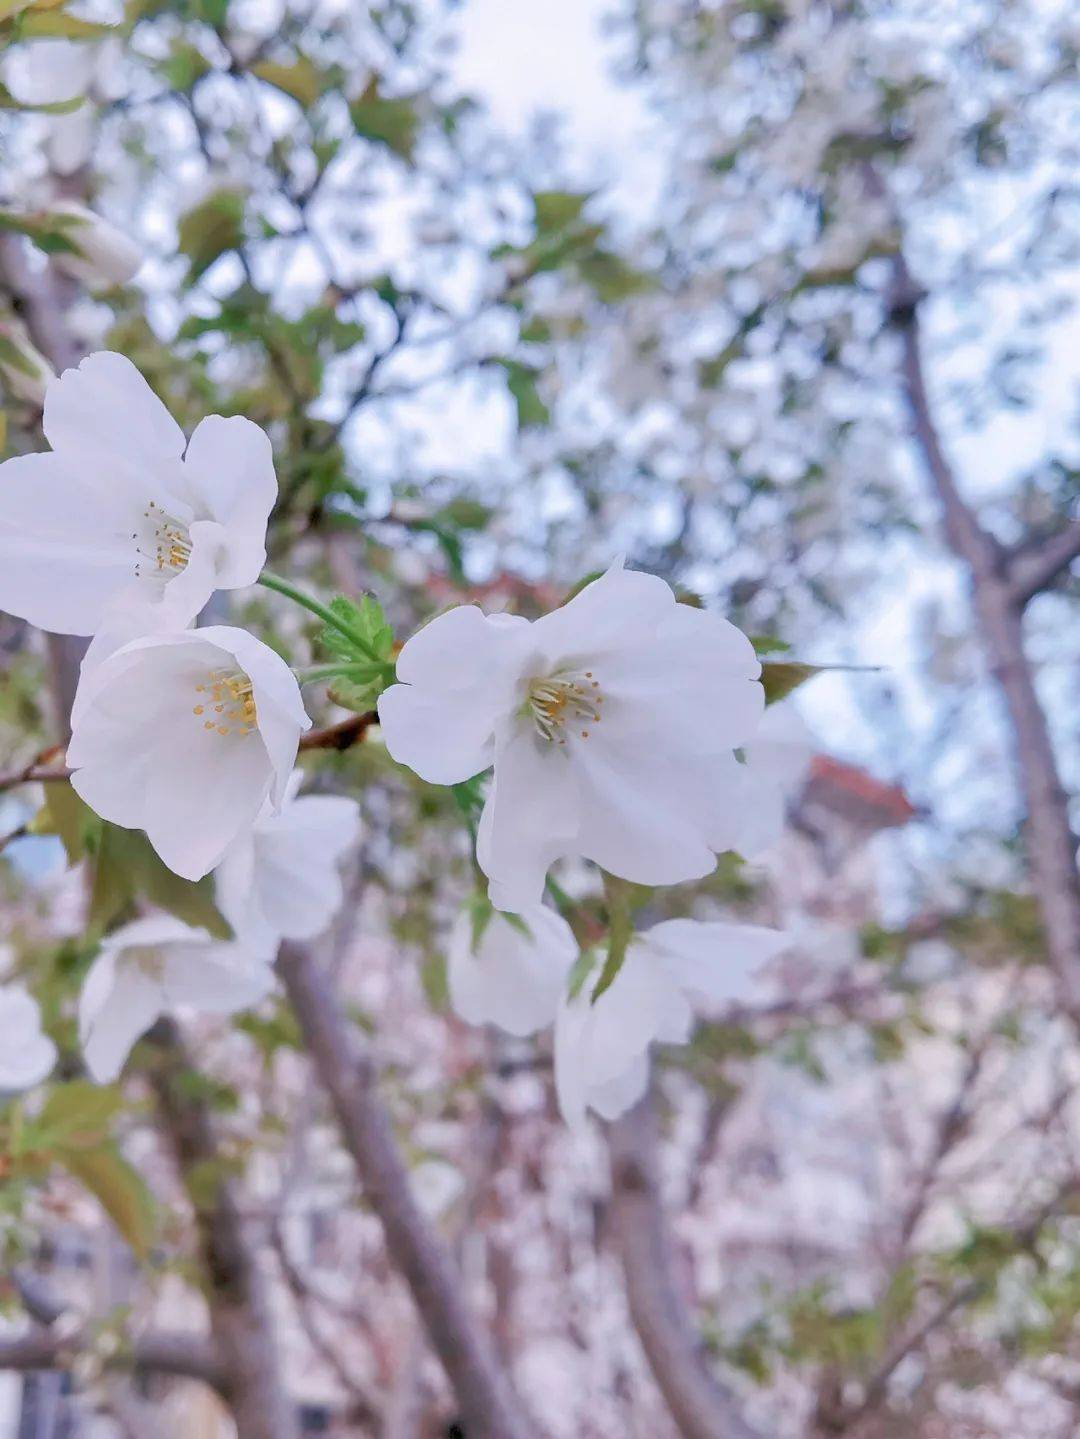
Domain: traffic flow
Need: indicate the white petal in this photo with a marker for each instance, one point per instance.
(64, 552)
(530, 819)
(616, 1096)
(640, 812)
(230, 466)
(443, 742)
(282, 881)
(601, 1047)
(106, 398)
(713, 960)
(462, 649)
(26, 1054)
(782, 747)
(215, 978)
(118, 1004)
(611, 612)
(459, 678)
(515, 980)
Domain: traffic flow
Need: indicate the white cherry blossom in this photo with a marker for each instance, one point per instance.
(157, 966)
(602, 1048)
(26, 1055)
(611, 724)
(279, 880)
(186, 736)
(123, 511)
(515, 976)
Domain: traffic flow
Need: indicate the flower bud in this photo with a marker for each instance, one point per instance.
(106, 256)
(25, 373)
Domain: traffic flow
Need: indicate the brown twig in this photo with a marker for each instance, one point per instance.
(703, 1407)
(489, 1407)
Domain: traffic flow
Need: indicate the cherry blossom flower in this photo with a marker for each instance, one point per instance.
(120, 513)
(26, 1055)
(514, 975)
(186, 736)
(156, 966)
(279, 880)
(602, 1047)
(611, 724)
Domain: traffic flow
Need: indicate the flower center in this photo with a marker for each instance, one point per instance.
(227, 705)
(561, 704)
(164, 547)
(150, 962)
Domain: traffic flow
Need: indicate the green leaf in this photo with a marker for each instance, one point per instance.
(77, 1115)
(390, 122)
(185, 66)
(302, 80)
(119, 1189)
(366, 619)
(521, 382)
(54, 24)
(128, 869)
(768, 644)
(73, 822)
(366, 646)
(211, 229)
(556, 209)
(780, 677)
(611, 278)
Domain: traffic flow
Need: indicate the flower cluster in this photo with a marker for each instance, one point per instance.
(123, 532)
(515, 975)
(624, 729)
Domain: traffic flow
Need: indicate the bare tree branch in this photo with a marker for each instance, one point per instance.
(996, 597)
(489, 1407)
(240, 1316)
(1034, 566)
(180, 1355)
(701, 1405)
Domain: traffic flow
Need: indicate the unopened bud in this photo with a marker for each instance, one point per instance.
(106, 256)
(25, 373)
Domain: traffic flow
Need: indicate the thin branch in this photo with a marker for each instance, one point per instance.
(1035, 565)
(1052, 846)
(183, 1356)
(340, 736)
(240, 1313)
(489, 1407)
(702, 1407)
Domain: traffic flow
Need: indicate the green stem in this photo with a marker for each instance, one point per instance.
(327, 615)
(360, 670)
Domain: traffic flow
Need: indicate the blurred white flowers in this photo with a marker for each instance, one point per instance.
(602, 1047)
(279, 880)
(26, 1055)
(156, 966)
(514, 975)
(611, 724)
(185, 736)
(120, 514)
